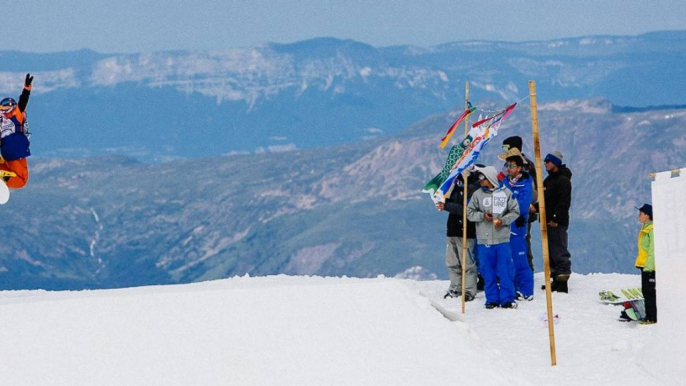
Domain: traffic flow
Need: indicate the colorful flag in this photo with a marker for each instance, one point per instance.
(463, 155)
(451, 130)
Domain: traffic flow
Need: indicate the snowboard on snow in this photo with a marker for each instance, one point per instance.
(620, 296)
(630, 298)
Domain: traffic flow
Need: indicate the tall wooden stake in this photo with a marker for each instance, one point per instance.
(544, 227)
(464, 207)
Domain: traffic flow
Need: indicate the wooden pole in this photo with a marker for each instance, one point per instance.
(544, 227)
(464, 207)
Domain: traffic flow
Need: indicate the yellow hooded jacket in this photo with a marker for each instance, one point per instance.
(646, 248)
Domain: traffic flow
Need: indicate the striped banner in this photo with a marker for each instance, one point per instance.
(465, 153)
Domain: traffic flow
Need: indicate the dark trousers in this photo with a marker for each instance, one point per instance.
(560, 258)
(649, 293)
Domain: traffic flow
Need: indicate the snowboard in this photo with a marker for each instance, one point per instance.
(4, 192)
(620, 296)
(630, 298)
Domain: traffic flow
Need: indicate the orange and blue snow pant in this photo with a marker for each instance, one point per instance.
(20, 167)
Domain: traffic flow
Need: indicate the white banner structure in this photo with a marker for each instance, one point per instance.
(669, 218)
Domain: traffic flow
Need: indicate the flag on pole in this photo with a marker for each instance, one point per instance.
(465, 153)
(470, 109)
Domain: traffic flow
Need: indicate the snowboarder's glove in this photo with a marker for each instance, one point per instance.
(520, 221)
(5, 175)
(27, 81)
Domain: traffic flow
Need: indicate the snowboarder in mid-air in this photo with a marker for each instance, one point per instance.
(14, 138)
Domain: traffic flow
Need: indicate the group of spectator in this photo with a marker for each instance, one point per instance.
(502, 206)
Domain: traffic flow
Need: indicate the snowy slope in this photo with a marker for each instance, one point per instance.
(284, 330)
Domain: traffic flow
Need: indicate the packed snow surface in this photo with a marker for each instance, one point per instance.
(285, 330)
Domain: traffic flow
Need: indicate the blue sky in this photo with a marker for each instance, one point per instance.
(145, 25)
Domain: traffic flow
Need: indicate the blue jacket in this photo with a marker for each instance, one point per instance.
(522, 191)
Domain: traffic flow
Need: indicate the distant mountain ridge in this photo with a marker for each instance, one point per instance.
(354, 209)
(321, 92)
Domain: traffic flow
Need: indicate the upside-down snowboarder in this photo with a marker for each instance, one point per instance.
(14, 138)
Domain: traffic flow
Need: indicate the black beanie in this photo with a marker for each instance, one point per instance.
(513, 141)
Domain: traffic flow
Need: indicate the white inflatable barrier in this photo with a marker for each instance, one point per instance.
(669, 218)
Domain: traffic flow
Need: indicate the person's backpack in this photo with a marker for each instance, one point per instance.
(633, 310)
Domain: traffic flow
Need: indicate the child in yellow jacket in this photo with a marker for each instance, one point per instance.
(645, 261)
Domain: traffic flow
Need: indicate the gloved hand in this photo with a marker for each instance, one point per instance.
(6, 175)
(520, 221)
(533, 217)
(28, 80)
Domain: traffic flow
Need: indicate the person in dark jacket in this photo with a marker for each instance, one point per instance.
(453, 255)
(14, 143)
(558, 198)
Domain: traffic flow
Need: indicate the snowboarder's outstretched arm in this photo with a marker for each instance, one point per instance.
(24, 97)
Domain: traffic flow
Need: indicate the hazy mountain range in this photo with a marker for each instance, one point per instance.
(352, 207)
(320, 92)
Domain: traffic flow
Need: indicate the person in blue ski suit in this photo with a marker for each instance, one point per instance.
(493, 209)
(521, 185)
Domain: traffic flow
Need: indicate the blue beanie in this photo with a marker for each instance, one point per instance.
(555, 158)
